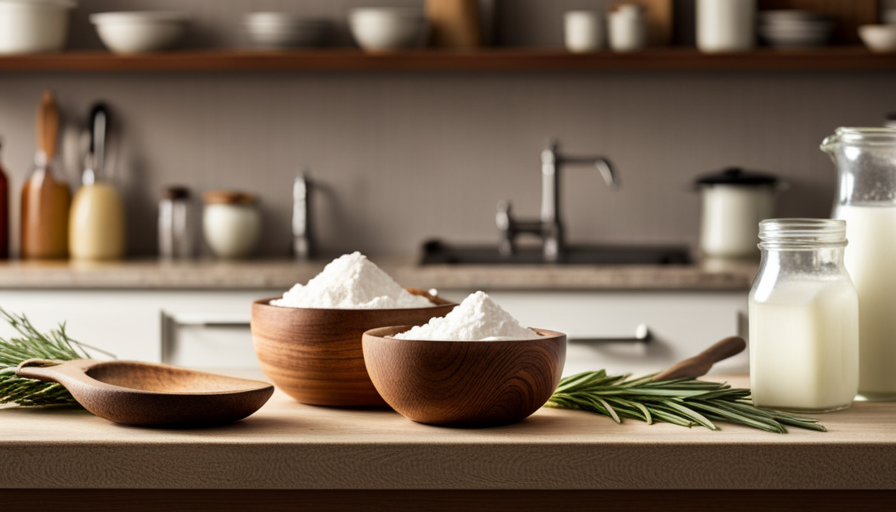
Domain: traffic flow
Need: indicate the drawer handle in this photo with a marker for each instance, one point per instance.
(642, 335)
(214, 325)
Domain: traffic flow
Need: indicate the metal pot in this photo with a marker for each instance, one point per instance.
(734, 202)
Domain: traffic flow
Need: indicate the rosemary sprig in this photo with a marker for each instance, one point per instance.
(54, 345)
(685, 402)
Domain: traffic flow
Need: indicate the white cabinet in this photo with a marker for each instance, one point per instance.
(210, 329)
(200, 329)
(681, 324)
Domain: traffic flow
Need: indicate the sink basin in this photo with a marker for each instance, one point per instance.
(436, 252)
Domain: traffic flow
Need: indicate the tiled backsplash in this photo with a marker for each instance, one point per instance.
(405, 156)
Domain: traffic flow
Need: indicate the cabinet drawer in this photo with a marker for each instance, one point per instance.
(208, 342)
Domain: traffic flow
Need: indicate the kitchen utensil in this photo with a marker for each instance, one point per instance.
(804, 318)
(231, 223)
(140, 32)
(34, 26)
(464, 383)
(96, 222)
(583, 31)
(4, 211)
(314, 355)
(726, 25)
(455, 23)
(175, 224)
(384, 29)
(734, 201)
(280, 30)
(879, 38)
(627, 28)
(700, 364)
(45, 200)
(866, 200)
(154, 395)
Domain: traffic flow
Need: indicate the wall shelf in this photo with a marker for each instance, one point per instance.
(667, 59)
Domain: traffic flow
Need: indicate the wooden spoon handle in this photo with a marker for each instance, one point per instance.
(700, 364)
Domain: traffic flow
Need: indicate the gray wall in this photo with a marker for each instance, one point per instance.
(405, 156)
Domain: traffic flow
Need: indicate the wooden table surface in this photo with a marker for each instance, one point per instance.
(287, 445)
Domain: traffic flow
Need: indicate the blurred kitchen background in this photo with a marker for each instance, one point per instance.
(399, 157)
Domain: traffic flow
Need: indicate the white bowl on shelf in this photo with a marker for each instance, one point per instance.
(384, 29)
(34, 26)
(879, 38)
(140, 32)
(275, 30)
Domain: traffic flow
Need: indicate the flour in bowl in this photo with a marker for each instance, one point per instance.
(477, 318)
(351, 282)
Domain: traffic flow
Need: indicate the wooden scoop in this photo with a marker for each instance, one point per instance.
(153, 395)
(700, 364)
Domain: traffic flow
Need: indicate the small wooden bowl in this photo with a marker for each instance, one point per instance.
(314, 355)
(464, 383)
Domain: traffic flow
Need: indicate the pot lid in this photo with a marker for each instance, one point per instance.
(737, 176)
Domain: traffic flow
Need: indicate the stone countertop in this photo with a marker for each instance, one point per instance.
(282, 274)
(287, 445)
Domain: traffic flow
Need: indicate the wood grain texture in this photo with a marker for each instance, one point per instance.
(847, 15)
(508, 60)
(154, 395)
(288, 445)
(464, 383)
(315, 356)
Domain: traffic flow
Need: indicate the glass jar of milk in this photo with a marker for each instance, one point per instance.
(866, 199)
(804, 318)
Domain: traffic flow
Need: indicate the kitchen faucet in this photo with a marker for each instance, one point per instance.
(301, 217)
(550, 226)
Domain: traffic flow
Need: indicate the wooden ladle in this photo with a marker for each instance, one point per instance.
(700, 364)
(153, 395)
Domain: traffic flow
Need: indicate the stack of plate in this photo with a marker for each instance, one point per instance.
(279, 30)
(795, 29)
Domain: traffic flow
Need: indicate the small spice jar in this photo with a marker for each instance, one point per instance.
(804, 318)
(176, 224)
(231, 223)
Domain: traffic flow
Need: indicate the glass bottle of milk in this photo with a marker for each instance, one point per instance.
(866, 199)
(804, 318)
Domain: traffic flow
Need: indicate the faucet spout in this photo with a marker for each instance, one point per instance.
(550, 227)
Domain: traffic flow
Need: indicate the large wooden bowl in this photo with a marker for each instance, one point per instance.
(314, 355)
(464, 383)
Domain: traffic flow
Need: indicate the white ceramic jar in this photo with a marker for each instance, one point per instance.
(628, 28)
(734, 202)
(584, 31)
(34, 26)
(726, 25)
(231, 223)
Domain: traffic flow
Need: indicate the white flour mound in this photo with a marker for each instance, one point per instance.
(351, 282)
(477, 318)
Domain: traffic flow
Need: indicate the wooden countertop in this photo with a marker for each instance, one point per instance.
(287, 445)
(282, 274)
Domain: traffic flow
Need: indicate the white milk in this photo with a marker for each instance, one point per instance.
(871, 261)
(803, 346)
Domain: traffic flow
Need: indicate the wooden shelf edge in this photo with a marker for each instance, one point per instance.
(667, 59)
